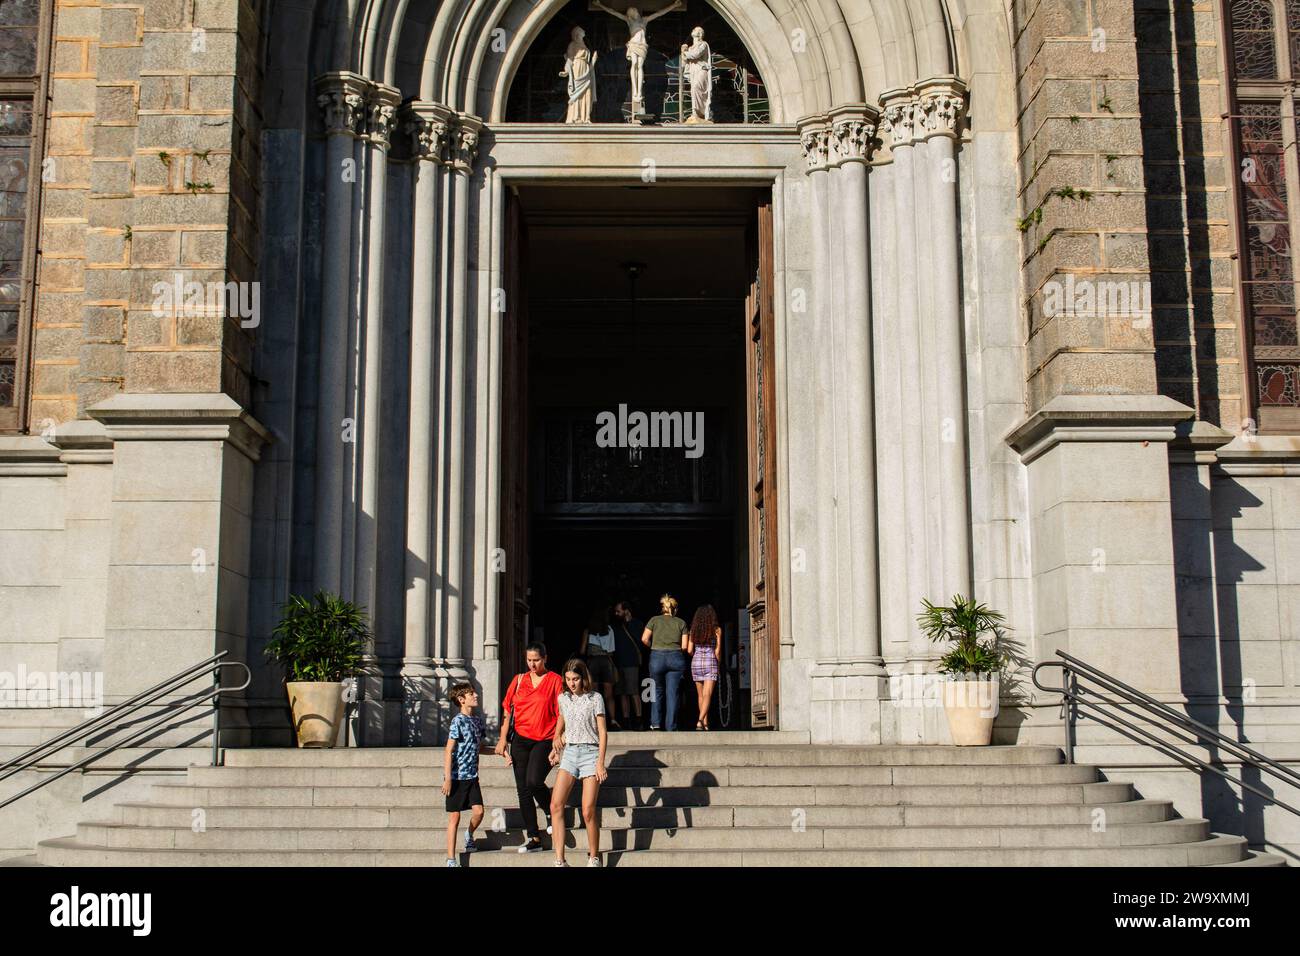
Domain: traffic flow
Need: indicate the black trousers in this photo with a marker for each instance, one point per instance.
(531, 759)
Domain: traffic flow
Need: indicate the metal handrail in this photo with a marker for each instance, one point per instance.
(100, 722)
(1073, 699)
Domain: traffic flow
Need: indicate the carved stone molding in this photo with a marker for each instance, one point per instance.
(381, 114)
(464, 143)
(942, 105)
(852, 134)
(342, 101)
(428, 127)
(815, 137)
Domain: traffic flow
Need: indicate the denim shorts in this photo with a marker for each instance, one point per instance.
(580, 759)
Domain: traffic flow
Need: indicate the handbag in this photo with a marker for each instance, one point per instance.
(510, 734)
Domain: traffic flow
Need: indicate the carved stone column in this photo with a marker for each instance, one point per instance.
(341, 98)
(941, 104)
(453, 553)
(428, 127)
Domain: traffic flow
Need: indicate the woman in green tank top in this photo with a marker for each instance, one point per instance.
(665, 635)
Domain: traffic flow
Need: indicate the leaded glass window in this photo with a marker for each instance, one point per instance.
(539, 94)
(1266, 57)
(20, 65)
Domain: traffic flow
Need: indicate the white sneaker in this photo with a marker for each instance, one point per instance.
(560, 863)
(593, 861)
(451, 862)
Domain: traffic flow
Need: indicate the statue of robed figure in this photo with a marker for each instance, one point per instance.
(697, 60)
(579, 67)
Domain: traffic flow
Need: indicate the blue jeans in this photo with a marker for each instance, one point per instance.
(667, 669)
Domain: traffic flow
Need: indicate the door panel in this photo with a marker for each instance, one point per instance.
(763, 598)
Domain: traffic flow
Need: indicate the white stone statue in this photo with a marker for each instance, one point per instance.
(698, 61)
(637, 48)
(579, 67)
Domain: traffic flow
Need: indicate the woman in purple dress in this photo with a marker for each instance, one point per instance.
(704, 644)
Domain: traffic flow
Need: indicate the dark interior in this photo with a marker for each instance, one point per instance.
(635, 297)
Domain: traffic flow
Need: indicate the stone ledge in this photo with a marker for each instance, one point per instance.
(29, 455)
(170, 416)
(1261, 455)
(1095, 418)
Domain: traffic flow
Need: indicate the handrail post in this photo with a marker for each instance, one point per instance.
(1070, 685)
(216, 715)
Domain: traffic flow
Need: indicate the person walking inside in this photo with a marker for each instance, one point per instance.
(627, 662)
(531, 710)
(704, 644)
(666, 636)
(597, 647)
(580, 736)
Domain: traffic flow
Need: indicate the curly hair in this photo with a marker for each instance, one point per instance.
(704, 626)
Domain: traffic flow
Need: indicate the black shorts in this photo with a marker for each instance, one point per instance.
(464, 794)
(601, 668)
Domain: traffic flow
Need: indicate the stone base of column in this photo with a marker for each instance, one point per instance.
(847, 703)
(419, 704)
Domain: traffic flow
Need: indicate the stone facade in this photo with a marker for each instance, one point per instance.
(957, 414)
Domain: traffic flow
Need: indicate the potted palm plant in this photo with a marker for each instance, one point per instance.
(973, 665)
(319, 641)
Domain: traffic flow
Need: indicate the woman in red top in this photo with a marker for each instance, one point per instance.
(531, 709)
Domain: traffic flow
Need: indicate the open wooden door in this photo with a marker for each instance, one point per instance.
(513, 600)
(760, 367)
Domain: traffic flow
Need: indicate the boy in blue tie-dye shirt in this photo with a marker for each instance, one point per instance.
(460, 769)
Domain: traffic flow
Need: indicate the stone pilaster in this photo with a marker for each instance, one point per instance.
(183, 462)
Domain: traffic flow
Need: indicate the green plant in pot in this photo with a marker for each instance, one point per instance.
(973, 665)
(319, 640)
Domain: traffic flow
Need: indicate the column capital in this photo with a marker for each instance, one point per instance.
(852, 133)
(464, 143)
(341, 97)
(381, 114)
(815, 138)
(899, 111)
(941, 103)
(428, 126)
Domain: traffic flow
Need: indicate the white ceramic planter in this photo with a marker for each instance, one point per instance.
(317, 708)
(971, 706)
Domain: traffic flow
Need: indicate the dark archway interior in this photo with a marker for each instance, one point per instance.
(635, 298)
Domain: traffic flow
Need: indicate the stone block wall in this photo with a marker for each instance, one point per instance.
(1083, 207)
(153, 173)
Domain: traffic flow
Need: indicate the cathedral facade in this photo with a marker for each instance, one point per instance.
(970, 297)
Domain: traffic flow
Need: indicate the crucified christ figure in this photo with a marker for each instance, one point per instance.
(636, 44)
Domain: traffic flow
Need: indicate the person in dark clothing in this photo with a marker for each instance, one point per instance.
(627, 662)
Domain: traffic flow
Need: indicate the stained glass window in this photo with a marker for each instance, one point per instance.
(19, 62)
(1265, 86)
(1253, 42)
(539, 93)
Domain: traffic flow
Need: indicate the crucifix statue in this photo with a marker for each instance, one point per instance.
(637, 46)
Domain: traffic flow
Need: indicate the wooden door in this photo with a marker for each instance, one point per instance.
(765, 645)
(514, 582)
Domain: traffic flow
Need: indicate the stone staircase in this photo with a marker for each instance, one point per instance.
(683, 799)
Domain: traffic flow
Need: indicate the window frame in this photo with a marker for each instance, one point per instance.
(14, 418)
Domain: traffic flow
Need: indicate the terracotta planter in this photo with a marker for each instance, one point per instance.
(317, 708)
(971, 707)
